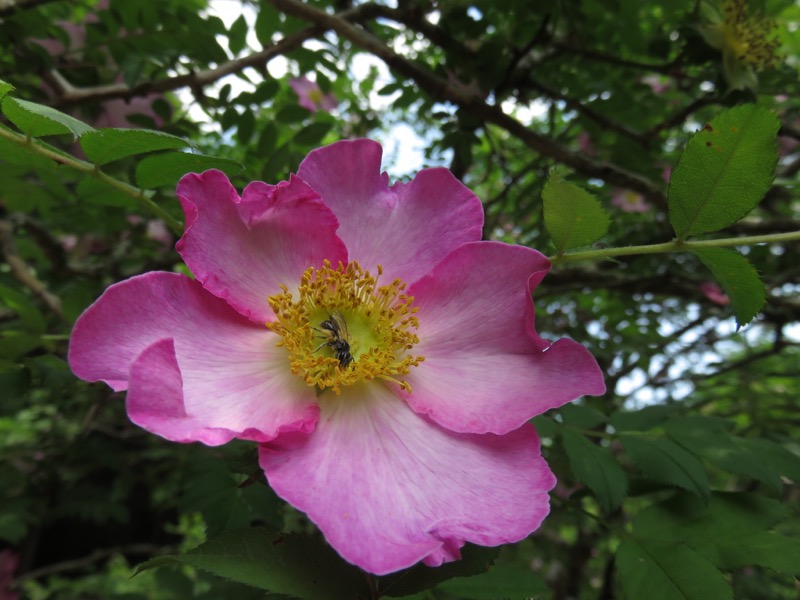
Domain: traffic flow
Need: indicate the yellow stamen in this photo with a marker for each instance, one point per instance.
(379, 320)
(748, 36)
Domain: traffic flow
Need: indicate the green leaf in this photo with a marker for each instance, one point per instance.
(765, 549)
(15, 381)
(594, 466)
(582, 417)
(546, 427)
(474, 560)
(573, 216)
(277, 165)
(664, 461)
(642, 419)
(166, 169)
(291, 114)
(103, 146)
(5, 88)
(721, 449)
(731, 530)
(38, 120)
(739, 280)
(211, 489)
(14, 344)
(267, 22)
(502, 581)
(237, 35)
(312, 135)
(724, 171)
(31, 317)
(245, 127)
(668, 572)
(785, 462)
(283, 563)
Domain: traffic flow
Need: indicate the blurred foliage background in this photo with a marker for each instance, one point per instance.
(683, 478)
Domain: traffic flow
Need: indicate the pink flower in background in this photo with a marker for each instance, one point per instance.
(114, 112)
(381, 354)
(714, 293)
(787, 145)
(585, 144)
(628, 201)
(658, 83)
(8, 564)
(310, 95)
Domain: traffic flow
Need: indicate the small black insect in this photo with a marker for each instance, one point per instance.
(335, 329)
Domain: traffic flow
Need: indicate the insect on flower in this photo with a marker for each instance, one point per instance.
(335, 330)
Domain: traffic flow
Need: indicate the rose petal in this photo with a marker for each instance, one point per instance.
(155, 399)
(485, 368)
(407, 228)
(243, 250)
(388, 488)
(233, 376)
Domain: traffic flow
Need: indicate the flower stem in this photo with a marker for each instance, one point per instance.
(675, 246)
(92, 170)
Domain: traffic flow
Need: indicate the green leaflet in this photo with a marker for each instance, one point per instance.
(37, 120)
(724, 171)
(660, 571)
(166, 169)
(594, 466)
(103, 146)
(573, 216)
(283, 563)
(739, 280)
(664, 461)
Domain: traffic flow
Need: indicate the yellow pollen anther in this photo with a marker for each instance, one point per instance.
(748, 35)
(344, 328)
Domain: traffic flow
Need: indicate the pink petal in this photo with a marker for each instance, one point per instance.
(407, 228)
(302, 85)
(231, 374)
(388, 488)
(485, 368)
(155, 399)
(328, 103)
(243, 250)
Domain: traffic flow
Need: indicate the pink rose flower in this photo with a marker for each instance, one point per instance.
(311, 96)
(381, 354)
(628, 201)
(714, 293)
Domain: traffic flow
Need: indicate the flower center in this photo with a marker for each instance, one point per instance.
(344, 328)
(748, 36)
(315, 96)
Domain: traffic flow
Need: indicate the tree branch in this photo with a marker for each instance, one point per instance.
(440, 89)
(70, 94)
(9, 7)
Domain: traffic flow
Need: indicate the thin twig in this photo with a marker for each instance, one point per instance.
(24, 273)
(9, 7)
(98, 555)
